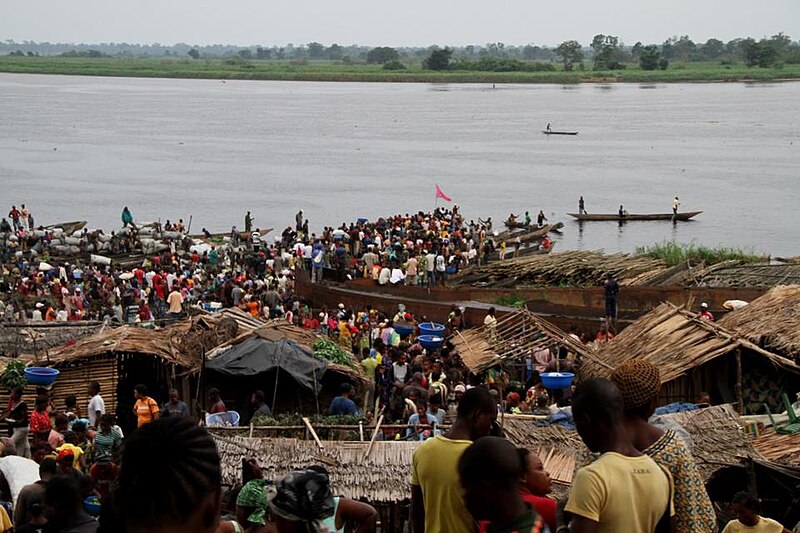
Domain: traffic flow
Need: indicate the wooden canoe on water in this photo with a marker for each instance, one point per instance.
(559, 132)
(523, 252)
(633, 216)
(528, 236)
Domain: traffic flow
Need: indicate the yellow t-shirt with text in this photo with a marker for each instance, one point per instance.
(621, 493)
(764, 525)
(435, 469)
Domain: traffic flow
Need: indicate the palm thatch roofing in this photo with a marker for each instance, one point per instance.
(124, 339)
(574, 268)
(718, 438)
(779, 448)
(771, 321)
(381, 474)
(182, 344)
(736, 274)
(515, 335)
(676, 341)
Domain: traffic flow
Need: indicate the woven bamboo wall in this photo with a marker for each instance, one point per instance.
(75, 379)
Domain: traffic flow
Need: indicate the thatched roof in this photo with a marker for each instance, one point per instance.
(783, 449)
(718, 439)
(576, 268)
(244, 320)
(124, 339)
(676, 341)
(382, 476)
(772, 321)
(517, 335)
(735, 274)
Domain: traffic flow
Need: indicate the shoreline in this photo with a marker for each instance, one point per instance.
(154, 68)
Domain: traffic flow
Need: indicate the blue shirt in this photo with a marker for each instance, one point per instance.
(414, 420)
(342, 406)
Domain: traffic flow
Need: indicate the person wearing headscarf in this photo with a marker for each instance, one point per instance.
(302, 503)
(639, 382)
(252, 505)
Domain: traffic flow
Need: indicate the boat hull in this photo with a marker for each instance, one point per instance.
(559, 132)
(633, 216)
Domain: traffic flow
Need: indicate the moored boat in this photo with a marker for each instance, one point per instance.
(634, 216)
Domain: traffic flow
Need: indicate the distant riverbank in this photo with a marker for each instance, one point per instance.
(359, 72)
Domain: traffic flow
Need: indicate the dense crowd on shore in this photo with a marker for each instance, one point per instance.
(465, 476)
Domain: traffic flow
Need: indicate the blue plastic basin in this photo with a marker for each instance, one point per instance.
(557, 380)
(39, 375)
(431, 342)
(92, 506)
(403, 328)
(432, 328)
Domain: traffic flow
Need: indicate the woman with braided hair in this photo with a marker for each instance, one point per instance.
(639, 382)
(303, 502)
(170, 481)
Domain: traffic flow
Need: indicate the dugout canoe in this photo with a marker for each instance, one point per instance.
(528, 236)
(523, 252)
(633, 216)
(559, 132)
(528, 233)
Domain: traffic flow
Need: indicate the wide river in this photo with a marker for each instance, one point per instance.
(75, 148)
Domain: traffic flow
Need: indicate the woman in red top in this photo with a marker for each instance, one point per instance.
(40, 420)
(534, 487)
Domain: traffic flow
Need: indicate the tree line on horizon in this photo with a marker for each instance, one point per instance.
(604, 52)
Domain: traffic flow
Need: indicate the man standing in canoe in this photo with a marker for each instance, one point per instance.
(540, 218)
(676, 204)
(581, 206)
(548, 126)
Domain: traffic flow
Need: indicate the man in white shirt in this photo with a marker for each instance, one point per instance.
(385, 275)
(37, 312)
(97, 407)
(430, 264)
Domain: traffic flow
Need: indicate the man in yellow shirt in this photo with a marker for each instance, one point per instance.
(623, 490)
(746, 507)
(437, 503)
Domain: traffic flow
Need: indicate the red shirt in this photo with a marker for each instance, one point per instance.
(545, 508)
(39, 421)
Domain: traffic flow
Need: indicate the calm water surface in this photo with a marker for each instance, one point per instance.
(82, 148)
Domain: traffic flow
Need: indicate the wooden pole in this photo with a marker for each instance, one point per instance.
(739, 378)
(307, 422)
(372, 440)
(275, 389)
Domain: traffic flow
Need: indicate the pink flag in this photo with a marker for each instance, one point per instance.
(442, 195)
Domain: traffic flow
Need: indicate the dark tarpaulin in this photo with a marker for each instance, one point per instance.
(257, 355)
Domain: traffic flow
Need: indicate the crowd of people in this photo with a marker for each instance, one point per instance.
(167, 477)
(466, 477)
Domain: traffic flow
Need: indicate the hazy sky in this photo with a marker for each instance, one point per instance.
(380, 22)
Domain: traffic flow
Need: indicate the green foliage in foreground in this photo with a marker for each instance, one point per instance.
(512, 300)
(327, 70)
(674, 253)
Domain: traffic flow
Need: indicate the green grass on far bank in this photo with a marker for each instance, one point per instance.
(340, 71)
(676, 253)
